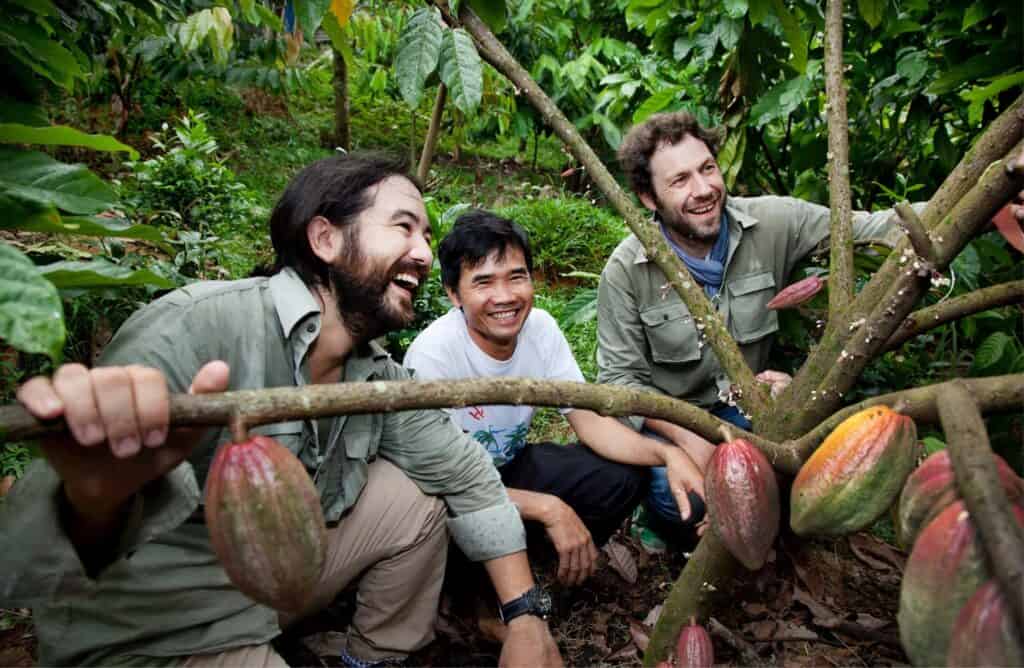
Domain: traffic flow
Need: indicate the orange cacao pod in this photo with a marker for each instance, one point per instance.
(265, 522)
(797, 293)
(984, 634)
(743, 501)
(855, 475)
(694, 649)
(932, 487)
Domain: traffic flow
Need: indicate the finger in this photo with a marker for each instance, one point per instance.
(573, 567)
(594, 554)
(213, 377)
(40, 399)
(563, 565)
(152, 409)
(115, 399)
(73, 385)
(682, 501)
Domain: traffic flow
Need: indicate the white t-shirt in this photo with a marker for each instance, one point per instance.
(444, 350)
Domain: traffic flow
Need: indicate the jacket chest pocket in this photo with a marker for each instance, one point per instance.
(751, 320)
(671, 334)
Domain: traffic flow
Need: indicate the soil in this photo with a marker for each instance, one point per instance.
(814, 604)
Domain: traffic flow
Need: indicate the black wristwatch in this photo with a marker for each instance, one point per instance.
(535, 602)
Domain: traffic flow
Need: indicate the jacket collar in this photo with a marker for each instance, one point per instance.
(738, 221)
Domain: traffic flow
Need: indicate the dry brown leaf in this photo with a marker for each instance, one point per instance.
(755, 609)
(875, 553)
(639, 635)
(600, 643)
(6, 483)
(791, 631)
(870, 621)
(621, 561)
(823, 615)
(762, 630)
(626, 653)
(652, 617)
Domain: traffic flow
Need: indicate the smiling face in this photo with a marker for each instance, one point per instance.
(385, 256)
(689, 193)
(496, 296)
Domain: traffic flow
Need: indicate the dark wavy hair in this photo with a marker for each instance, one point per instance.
(643, 140)
(475, 235)
(339, 188)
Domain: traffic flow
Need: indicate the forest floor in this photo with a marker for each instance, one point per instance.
(814, 604)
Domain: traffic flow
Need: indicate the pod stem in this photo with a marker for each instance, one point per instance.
(239, 430)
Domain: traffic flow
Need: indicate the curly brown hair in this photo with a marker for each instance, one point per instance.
(643, 140)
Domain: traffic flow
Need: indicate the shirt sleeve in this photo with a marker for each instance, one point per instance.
(620, 336)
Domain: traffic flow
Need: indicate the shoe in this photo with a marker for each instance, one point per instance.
(650, 542)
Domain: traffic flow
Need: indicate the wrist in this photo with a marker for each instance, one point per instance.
(551, 510)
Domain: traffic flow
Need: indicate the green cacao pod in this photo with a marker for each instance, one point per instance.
(855, 474)
(694, 649)
(932, 487)
(984, 634)
(945, 568)
(265, 522)
(743, 501)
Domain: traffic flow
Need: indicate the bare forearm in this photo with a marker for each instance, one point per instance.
(614, 441)
(510, 575)
(535, 506)
(699, 449)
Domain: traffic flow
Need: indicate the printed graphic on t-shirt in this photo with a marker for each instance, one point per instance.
(503, 444)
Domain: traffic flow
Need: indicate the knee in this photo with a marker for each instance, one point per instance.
(625, 484)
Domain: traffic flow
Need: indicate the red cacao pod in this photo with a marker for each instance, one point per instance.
(984, 634)
(265, 522)
(743, 501)
(797, 293)
(1009, 227)
(855, 475)
(932, 487)
(693, 649)
(945, 568)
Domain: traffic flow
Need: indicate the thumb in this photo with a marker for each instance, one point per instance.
(212, 377)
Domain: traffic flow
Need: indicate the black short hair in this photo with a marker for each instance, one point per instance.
(337, 188)
(475, 235)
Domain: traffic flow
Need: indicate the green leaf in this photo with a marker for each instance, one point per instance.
(580, 309)
(92, 226)
(492, 12)
(341, 38)
(682, 47)
(269, 18)
(978, 95)
(992, 349)
(794, 34)
(913, 66)
(656, 103)
(944, 149)
(31, 319)
(462, 70)
(982, 65)
(873, 11)
(419, 47)
(36, 177)
(779, 102)
(249, 12)
(309, 14)
(932, 445)
(30, 44)
(759, 10)
(976, 13)
(25, 113)
(736, 9)
(60, 135)
(100, 273)
(730, 157)
(611, 131)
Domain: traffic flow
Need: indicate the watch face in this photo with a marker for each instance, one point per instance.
(540, 601)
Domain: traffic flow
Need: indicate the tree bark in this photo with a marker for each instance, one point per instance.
(423, 171)
(750, 394)
(977, 480)
(342, 127)
(931, 317)
(841, 272)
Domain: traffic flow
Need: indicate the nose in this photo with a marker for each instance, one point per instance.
(701, 186)
(502, 293)
(420, 252)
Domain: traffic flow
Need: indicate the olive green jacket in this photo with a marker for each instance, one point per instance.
(166, 595)
(646, 336)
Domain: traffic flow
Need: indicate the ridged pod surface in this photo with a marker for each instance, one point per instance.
(932, 487)
(944, 570)
(743, 501)
(694, 649)
(265, 522)
(796, 293)
(855, 474)
(983, 634)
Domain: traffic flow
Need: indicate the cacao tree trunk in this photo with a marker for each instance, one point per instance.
(342, 129)
(432, 134)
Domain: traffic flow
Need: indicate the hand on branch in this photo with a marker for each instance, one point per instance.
(776, 381)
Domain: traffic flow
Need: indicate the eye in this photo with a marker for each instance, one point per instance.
(708, 168)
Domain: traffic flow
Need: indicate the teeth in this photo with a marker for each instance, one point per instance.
(504, 315)
(407, 278)
(706, 209)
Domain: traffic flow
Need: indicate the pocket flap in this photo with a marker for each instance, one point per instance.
(653, 317)
(753, 283)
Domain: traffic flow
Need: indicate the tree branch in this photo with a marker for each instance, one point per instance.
(977, 480)
(916, 232)
(973, 302)
(995, 394)
(751, 395)
(841, 272)
(430, 143)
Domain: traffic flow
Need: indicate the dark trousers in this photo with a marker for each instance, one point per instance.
(602, 492)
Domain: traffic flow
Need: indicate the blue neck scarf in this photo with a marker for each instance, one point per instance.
(710, 272)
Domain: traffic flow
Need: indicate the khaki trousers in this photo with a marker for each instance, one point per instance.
(395, 542)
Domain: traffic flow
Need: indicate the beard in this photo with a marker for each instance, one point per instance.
(680, 223)
(360, 288)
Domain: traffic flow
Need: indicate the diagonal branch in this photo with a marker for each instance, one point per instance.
(916, 232)
(931, 317)
(841, 272)
(978, 483)
(751, 394)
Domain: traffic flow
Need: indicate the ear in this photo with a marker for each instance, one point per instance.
(325, 239)
(453, 297)
(648, 201)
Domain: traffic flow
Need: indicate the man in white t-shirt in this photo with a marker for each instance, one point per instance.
(579, 494)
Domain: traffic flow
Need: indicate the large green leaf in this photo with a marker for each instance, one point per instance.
(736, 9)
(310, 13)
(873, 11)
(780, 101)
(100, 273)
(991, 350)
(92, 226)
(419, 47)
(979, 66)
(759, 10)
(33, 46)
(978, 95)
(461, 70)
(794, 34)
(25, 113)
(31, 319)
(60, 135)
(493, 12)
(36, 177)
(730, 157)
(656, 103)
(341, 38)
